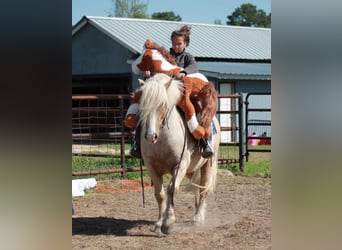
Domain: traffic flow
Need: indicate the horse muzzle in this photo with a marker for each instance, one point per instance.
(151, 138)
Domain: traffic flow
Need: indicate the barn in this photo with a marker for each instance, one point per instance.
(235, 59)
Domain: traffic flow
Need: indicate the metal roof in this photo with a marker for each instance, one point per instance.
(206, 40)
(233, 70)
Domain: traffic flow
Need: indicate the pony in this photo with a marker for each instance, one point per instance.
(200, 103)
(167, 147)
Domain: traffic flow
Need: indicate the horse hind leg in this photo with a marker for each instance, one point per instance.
(201, 195)
(200, 215)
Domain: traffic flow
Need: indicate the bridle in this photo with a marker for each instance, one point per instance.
(166, 118)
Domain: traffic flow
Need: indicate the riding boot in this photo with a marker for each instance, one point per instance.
(206, 148)
(135, 148)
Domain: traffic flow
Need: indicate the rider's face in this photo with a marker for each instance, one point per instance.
(178, 44)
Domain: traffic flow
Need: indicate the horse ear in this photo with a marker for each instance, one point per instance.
(148, 43)
(168, 84)
(141, 82)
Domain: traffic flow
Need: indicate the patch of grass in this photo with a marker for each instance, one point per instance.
(259, 164)
(84, 163)
(261, 168)
(255, 168)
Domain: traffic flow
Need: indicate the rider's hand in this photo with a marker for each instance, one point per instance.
(180, 76)
(147, 74)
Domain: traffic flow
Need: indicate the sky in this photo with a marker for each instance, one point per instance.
(191, 11)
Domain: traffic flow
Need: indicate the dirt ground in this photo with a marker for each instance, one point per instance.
(238, 217)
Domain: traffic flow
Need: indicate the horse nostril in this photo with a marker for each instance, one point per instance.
(152, 138)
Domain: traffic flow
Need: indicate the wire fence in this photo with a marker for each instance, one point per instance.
(101, 142)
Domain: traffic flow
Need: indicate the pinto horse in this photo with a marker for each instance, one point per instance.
(200, 103)
(167, 147)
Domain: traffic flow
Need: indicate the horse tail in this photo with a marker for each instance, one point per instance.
(213, 174)
(196, 178)
(208, 97)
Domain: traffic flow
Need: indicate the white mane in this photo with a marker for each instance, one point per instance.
(156, 95)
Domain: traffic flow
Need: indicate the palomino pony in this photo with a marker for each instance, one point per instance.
(168, 147)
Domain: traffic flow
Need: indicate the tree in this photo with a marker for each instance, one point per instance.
(248, 15)
(218, 21)
(170, 16)
(129, 8)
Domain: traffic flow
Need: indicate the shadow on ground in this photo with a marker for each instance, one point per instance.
(104, 226)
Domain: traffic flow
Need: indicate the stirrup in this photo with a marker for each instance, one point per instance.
(207, 150)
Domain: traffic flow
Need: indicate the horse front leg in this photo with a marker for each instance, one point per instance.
(169, 213)
(173, 188)
(159, 194)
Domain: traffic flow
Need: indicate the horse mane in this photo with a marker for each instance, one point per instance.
(155, 94)
(164, 52)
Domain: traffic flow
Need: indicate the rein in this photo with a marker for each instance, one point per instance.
(180, 159)
(142, 181)
(166, 118)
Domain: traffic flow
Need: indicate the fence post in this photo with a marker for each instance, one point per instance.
(241, 146)
(122, 148)
(246, 126)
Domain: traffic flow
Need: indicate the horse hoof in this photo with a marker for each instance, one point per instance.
(167, 229)
(157, 230)
(198, 220)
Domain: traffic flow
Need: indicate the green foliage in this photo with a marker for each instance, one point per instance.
(248, 15)
(169, 16)
(218, 21)
(129, 8)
